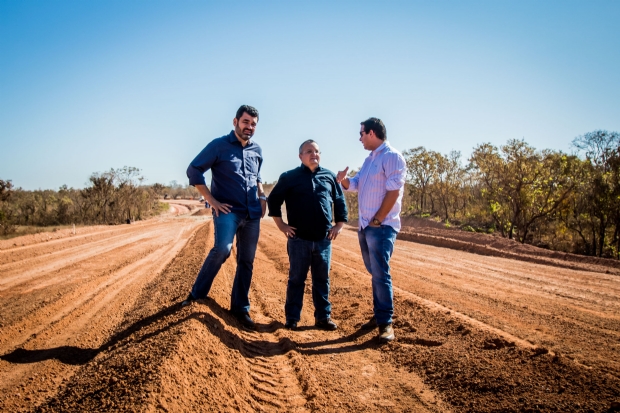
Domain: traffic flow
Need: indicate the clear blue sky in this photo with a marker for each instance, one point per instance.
(86, 86)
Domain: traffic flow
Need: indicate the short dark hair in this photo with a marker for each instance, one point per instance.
(375, 125)
(250, 110)
(304, 143)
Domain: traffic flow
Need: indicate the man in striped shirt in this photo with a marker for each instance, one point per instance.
(379, 185)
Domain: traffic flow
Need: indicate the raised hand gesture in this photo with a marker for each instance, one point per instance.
(342, 175)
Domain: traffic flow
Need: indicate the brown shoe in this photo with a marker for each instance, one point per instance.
(370, 325)
(386, 333)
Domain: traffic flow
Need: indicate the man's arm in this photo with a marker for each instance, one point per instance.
(335, 231)
(348, 183)
(284, 227)
(395, 169)
(386, 205)
(342, 179)
(340, 211)
(275, 201)
(263, 202)
(215, 204)
(195, 172)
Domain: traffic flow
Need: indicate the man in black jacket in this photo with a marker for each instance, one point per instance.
(309, 192)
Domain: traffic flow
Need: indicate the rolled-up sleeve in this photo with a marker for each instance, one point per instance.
(395, 171)
(340, 205)
(353, 182)
(201, 164)
(260, 166)
(276, 197)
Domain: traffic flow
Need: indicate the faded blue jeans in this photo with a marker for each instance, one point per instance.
(377, 245)
(304, 255)
(226, 226)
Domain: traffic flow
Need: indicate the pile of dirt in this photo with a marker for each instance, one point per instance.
(202, 212)
(477, 371)
(473, 333)
(125, 373)
(430, 233)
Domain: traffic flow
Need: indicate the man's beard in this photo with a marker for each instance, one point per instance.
(244, 134)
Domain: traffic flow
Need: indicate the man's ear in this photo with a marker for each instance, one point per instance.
(234, 121)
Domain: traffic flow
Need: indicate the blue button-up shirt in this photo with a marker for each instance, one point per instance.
(235, 172)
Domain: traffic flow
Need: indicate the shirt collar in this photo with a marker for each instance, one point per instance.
(232, 138)
(380, 149)
(306, 169)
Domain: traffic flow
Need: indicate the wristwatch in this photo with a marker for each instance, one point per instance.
(375, 221)
(262, 197)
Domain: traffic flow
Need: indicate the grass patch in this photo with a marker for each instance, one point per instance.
(21, 230)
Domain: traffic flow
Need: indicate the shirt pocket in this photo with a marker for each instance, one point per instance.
(375, 174)
(323, 188)
(252, 163)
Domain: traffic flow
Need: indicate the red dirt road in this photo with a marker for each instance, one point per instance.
(92, 322)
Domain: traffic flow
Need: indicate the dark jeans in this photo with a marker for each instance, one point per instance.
(304, 255)
(226, 226)
(377, 245)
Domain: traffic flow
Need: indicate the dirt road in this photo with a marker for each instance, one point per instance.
(91, 321)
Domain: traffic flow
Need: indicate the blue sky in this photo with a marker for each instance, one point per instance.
(86, 86)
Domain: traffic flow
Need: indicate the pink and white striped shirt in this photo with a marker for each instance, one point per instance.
(383, 170)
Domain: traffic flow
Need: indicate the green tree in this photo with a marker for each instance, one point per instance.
(6, 211)
(448, 184)
(421, 171)
(601, 190)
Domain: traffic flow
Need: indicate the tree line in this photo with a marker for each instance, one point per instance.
(566, 202)
(551, 199)
(112, 197)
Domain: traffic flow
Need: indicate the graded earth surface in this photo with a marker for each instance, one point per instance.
(90, 320)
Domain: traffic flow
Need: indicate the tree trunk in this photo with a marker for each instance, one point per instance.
(601, 238)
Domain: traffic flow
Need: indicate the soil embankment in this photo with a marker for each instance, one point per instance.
(92, 321)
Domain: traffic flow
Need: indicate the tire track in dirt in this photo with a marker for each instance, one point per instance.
(146, 353)
(433, 306)
(67, 333)
(529, 312)
(173, 342)
(82, 283)
(198, 358)
(14, 273)
(66, 240)
(478, 368)
(323, 352)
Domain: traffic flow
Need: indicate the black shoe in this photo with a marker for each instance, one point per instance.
(386, 333)
(245, 320)
(290, 325)
(190, 299)
(370, 325)
(326, 324)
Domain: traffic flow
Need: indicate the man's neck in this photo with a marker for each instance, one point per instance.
(242, 141)
(378, 146)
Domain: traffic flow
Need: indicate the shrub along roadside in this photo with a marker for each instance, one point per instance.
(113, 197)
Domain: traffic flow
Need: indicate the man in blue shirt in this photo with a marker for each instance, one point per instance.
(308, 192)
(238, 203)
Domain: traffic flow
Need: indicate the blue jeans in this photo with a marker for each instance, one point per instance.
(226, 226)
(315, 255)
(377, 244)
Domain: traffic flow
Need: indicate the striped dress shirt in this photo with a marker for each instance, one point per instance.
(383, 170)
